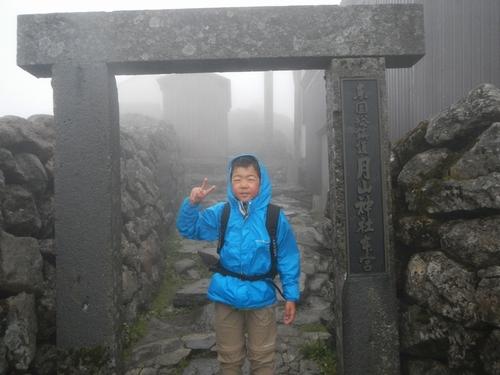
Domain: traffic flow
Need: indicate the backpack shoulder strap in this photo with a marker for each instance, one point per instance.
(223, 225)
(273, 213)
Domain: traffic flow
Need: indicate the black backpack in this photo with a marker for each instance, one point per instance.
(272, 216)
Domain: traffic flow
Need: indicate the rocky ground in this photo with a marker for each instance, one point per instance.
(189, 337)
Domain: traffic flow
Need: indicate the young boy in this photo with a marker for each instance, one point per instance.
(242, 306)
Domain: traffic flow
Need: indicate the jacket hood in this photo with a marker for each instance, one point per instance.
(263, 198)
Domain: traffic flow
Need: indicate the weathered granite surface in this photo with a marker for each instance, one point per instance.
(149, 200)
(446, 181)
(222, 39)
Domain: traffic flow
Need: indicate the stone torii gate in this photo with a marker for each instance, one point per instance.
(83, 52)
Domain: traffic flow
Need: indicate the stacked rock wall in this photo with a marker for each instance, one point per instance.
(446, 186)
(151, 183)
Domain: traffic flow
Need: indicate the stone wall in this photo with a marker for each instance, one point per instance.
(446, 186)
(446, 193)
(151, 186)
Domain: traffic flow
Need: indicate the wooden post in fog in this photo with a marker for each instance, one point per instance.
(268, 105)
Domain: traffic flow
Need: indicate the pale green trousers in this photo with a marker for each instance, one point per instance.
(244, 334)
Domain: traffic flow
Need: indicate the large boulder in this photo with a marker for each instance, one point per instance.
(32, 173)
(445, 287)
(455, 126)
(459, 198)
(423, 334)
(20, 213)
(482, 159)
(424, 166)
(461, 239)
(21, 265)
(18, 135)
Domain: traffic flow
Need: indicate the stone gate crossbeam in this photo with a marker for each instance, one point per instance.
(222, 39)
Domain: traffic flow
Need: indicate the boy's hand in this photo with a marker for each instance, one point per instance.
(289, 312)
(199, 193)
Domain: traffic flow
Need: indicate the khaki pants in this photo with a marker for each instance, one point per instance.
(232, 345)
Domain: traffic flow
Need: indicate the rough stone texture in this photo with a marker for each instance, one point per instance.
(482, 159)
(27, 244)
(151, 180)
(46, 305)
(435, 281)
(488, 300)
(490, 353)
(19, 338)
(466, 119)
(410, 145)
(183, 265)
(19, 212)
(19, 135)
(427, 335)
(478, 196)
(460, 240)
(209, 255)
(161, 353)
(423, 166)
(423, 334)
(202, 367)
(20, 266)
(224, 39)
(192, 295)
(447, 239)
(201, 341)
(418, 232)
(425, 367)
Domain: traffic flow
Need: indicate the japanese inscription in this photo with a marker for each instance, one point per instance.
(363, 177)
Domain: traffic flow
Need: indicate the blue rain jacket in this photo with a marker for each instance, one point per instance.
(245, 249)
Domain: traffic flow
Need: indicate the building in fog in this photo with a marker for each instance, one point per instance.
(462, 40)
(140, 94)
(198, 105)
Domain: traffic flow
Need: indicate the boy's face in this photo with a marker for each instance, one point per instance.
(245, 183)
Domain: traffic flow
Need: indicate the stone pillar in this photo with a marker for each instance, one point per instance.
(88, 219)
(360, 207)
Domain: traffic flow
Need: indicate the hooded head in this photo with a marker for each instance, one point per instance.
(248, 181)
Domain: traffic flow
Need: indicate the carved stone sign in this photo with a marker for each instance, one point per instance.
(364, 177)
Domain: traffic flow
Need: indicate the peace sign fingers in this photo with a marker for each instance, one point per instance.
(199, 193)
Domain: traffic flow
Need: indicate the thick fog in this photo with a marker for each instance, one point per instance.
(247, 91)
(22, 94)
(245, 118)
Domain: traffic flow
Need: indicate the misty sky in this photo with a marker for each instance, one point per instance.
(21, 94)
